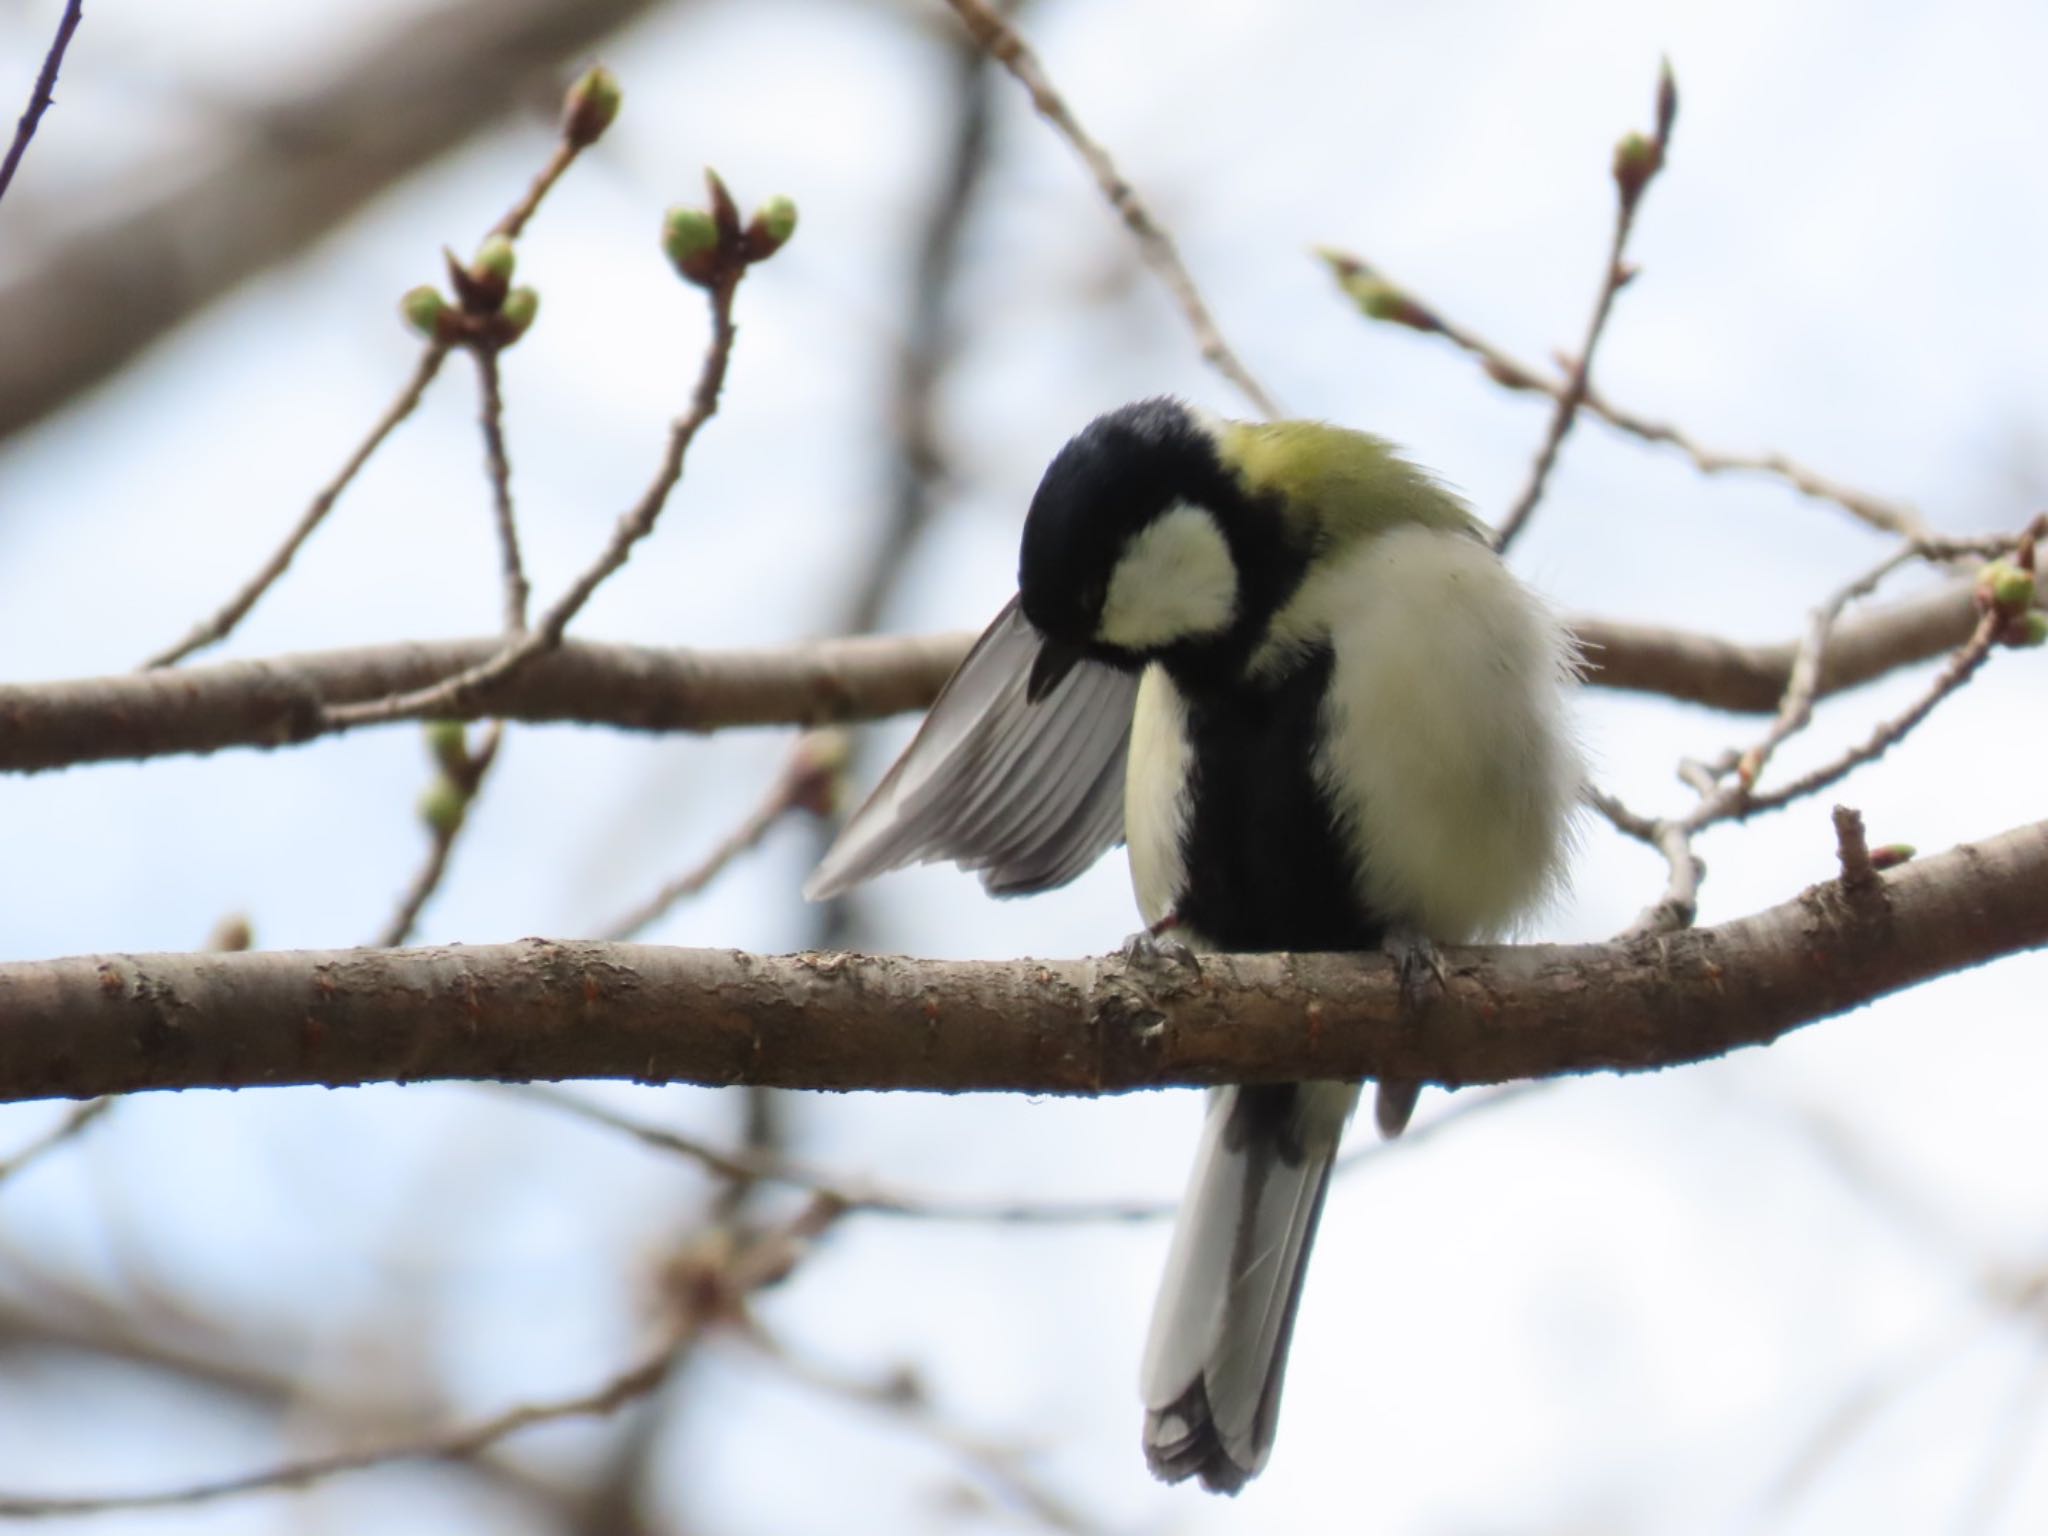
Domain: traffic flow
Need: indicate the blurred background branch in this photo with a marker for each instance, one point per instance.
(284, 172)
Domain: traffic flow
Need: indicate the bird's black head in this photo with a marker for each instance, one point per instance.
(1134, 542)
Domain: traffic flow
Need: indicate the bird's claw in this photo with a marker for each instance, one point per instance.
(1150, 949)
(1422, 971)
(1422, 986)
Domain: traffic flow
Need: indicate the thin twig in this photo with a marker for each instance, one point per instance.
(232, 612)
(853, 1197)
(567, 147)
(1726, 788)
(457, 1444)
(514, 223)
(710, 1290)
(1852, 848)
(1879, 512)
(1636, 164)
(498, 468)
(902, 1396)
(454, 692)
(1736, 798)
(44, 94)
(866, 1198)
(1961, 667)
(79, 1117)
(1155, 245)
(291, 155)
(1382, 299)
(807, 781)
(1802, 685)
(466, 779)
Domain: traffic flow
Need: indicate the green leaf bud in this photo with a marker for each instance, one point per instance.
(772, 225)
(690, 237)
(590, 107)
(495, 260)
(518, 310)
(443, 806)
(2009, 586)
(1637, 159)
(448, 742)
(688, 232)
(778, 217)
(424, 309)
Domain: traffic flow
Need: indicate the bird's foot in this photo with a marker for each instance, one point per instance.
(1154, 949)
(1422, 971)
(1422, 985)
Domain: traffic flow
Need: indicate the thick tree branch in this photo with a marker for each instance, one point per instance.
(539, 1009)
(279, 701)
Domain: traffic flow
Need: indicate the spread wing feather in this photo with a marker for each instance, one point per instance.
(1027, 794)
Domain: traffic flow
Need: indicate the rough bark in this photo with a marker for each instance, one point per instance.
(277, 701)
(543, 1010)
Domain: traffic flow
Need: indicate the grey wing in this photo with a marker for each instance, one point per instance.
(1028, 794)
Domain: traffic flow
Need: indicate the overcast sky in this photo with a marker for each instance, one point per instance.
(1615, 1306)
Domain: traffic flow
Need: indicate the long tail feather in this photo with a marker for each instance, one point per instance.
(1217, 1354)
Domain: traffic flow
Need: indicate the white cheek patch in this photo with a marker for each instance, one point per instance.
(1175, 581)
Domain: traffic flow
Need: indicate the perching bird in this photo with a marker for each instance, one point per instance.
(1287, 667)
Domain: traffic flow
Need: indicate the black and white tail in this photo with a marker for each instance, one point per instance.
(1217, 1353)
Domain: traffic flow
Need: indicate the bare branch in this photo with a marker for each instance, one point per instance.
(854, 1196)
(1852, 848)
(1960, 669)
(546, 1010)
(75, 1121)
(498, 469)
(231, 613)
(451, 695)
(520, 214)
(808, 781)
(857, 1197)
(279, 701)
(1726, 786)
(901, 1396)
(1637, 161)
(1155, 245)
(446, 813)
(287, 171)
(485, 347)
(703, 1301)
(455, 1445)
(45, 92)
(1382, 299)
(1802, 685)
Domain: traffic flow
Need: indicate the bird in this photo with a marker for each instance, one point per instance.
(1288, 669)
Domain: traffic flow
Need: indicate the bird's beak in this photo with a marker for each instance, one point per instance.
(1055, 660)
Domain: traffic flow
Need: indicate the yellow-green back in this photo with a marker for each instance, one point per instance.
(1344, 485)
